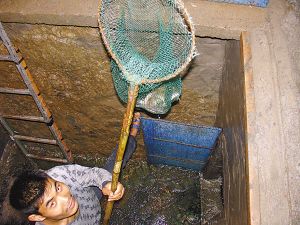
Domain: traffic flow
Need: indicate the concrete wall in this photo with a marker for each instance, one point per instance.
(273, 133)
(231, 117)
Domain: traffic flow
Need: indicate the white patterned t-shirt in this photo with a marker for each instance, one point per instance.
(80, 179)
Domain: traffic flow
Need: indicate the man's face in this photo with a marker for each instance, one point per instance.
(57, 202)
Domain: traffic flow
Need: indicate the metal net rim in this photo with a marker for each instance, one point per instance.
(187, 18)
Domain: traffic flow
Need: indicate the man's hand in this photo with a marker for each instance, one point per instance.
(106, 190)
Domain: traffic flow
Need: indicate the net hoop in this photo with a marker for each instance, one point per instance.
(184, 14)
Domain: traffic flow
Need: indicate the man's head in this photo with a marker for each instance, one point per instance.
(42, 198)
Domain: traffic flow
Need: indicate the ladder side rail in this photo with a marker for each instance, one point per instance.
(60, 142)
(7, 43)
(4, 37)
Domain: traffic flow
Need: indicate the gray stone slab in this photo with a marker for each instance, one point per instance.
(210, 18)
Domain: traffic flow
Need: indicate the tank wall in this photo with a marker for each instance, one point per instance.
(231, 117)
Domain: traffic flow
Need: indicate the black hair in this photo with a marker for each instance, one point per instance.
(27, 190)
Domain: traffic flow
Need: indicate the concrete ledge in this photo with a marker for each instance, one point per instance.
(54, 12)
(223, 20)
(211, 19)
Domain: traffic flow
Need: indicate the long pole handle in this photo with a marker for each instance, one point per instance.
(132, 96)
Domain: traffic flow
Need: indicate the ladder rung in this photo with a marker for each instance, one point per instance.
(27, 118)
(34, 139)
(7, 58)
(47, 158)
(15, 91)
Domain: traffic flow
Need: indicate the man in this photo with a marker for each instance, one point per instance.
(68, 194)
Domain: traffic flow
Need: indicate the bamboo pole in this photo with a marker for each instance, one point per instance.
(132, 96)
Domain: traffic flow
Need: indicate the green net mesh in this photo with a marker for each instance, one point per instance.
(150, 42)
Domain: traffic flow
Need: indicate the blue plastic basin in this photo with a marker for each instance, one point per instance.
(178, 144)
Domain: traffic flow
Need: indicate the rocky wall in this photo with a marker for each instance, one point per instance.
(72, 70)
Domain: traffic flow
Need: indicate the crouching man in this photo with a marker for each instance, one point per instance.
(62, 195)
(68, 194)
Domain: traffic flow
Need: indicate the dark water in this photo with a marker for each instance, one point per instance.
(155, 195)
(158, 195)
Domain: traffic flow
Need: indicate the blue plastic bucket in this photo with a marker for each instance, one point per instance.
(177, 144)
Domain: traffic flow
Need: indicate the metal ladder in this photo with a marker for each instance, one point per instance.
(46, 116)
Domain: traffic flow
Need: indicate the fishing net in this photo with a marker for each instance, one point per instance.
(150, 42)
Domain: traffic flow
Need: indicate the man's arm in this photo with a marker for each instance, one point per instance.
(84, 176)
